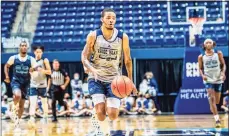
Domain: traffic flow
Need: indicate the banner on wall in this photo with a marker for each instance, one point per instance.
(192, 98)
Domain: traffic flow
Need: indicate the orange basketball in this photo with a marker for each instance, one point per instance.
(121, 86)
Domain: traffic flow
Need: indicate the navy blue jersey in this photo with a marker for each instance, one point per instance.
(21, 70)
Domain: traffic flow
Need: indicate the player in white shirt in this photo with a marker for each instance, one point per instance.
(212, 69)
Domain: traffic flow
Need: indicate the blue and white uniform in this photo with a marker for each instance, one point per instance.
(107, 58)
(212, 70)
(21, 75)
(38, 83)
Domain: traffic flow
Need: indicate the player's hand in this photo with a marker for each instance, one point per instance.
(47, 92)
(204, 78)
(63, 87)
(95, 73)
(7, 80)
(47, 89)
(31, 70)
(85, 69)
(135, 91)
(222, 76)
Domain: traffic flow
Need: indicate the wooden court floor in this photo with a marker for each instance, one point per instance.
(144, 125)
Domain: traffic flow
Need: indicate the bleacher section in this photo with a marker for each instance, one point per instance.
(64, 25)
(8, 12)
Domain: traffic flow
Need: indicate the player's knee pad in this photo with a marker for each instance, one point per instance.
(113, 103)
(98, 98)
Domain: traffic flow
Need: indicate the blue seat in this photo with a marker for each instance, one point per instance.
(58, 33)
(180, 42)
(48, 34)
(170, 42)
(60, 21)
(68, 33)
(159, 42)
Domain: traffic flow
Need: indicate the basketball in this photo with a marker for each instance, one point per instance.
(121, 86)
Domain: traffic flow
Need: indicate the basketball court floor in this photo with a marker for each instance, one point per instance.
(144, 125)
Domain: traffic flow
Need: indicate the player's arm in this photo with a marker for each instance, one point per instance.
(200, 63)
(222, 63)
(47, 69)
(7, 67)
(49, 83)
(33, 65)
(127, 57)
(6, 70)
(87, 51)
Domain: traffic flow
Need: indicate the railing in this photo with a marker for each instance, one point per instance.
(21, 27)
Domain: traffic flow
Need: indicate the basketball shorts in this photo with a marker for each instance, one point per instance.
(102, 90)
(37, 91)
(216, 87)
(15, 85)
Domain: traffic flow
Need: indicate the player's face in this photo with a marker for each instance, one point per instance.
(23, 48)
(109, 20)
(55, 65)
(208, 45)
(38, 53)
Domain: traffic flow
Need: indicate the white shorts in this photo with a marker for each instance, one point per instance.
(111, 102)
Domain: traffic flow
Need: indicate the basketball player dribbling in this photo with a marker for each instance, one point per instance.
(38, 85)
(212, 69)
(102, 58)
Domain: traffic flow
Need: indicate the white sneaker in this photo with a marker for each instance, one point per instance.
(13, 113)
(17, 130)
(17, 125)
(96, 126)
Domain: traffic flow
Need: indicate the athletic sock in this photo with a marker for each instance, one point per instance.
(44, 107)
(216, 117)
(33, 103)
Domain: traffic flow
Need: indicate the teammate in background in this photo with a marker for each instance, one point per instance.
(102, 58)
(212, 69)
(38, 85)
(22, 64)
(225, 105)
(57, 83)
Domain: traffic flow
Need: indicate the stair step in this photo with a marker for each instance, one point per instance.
(31, 17)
